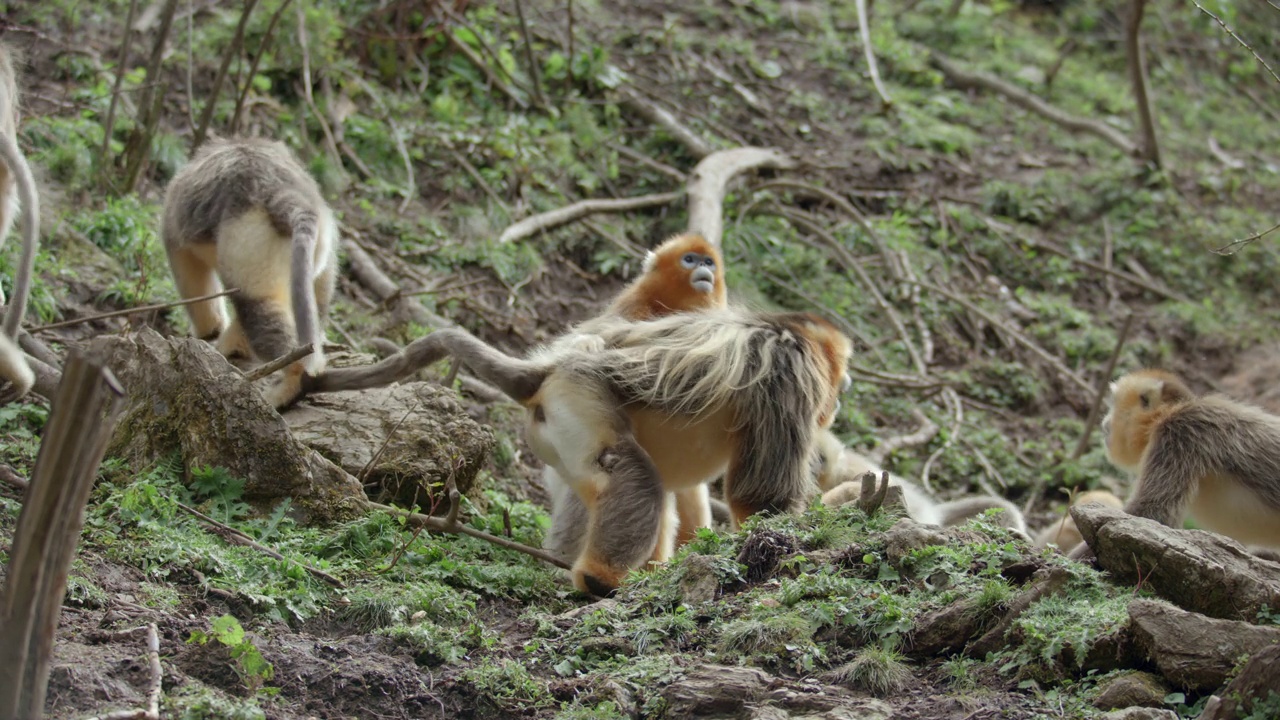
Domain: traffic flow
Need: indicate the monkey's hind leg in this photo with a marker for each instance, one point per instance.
(14, 368)
(626, 514)
(194, 276)
(253, 257)
(693, 509)
(8, 209)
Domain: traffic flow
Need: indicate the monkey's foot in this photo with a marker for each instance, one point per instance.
(288, 389)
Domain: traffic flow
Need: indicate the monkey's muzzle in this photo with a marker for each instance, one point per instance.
(703, 280)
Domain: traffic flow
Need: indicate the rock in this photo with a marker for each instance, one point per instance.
(1129, 690)
(1197, 570)
(1255, 692)
(184, 398)
(721, 691)
(907, 535)
(415, 435)
(1193, 651)
(1141, 713)
(945, 631)
(699, 582)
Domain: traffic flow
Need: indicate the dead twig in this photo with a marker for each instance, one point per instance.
(928, 430)
(122, 63)
(368, 467)
(953, 400)
(966, 78)
(649, 162)
(1238, 39)
(659, 116)
(131, 311)
(233, 49)
(530, 59)
(848, 208)
(157, 677)
(1136, 60)
(1234, 246)
(368, 274)
(236, 537)
(1016, 336)
(330, 143)
(443, 525)
(288, 358)
(864, 29)
(552, 219)
(265, 43)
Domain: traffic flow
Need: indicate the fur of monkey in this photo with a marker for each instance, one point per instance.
(838, 470)
(683, 274)
(1063, 533)
(1210, 457)
(17, 196)
(244, 213)
(661, 407)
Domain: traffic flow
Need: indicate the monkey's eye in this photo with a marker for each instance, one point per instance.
(690, 260)
(709, 262)
(1146, 401)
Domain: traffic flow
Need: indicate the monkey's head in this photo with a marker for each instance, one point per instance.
(1139, 401)
(1098, 497)
(685, 273)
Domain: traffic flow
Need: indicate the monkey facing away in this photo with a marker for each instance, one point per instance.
(1210, 457)
(244, 213)
(683, 274)
(1063, 533)
(17, 192)
(838, 470)
(659, 407)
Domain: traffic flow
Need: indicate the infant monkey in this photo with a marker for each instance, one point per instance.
(245, 214)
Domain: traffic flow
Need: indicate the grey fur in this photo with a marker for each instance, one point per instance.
(628, 512)
(229, 177)
(956, 512)
(1213, 435)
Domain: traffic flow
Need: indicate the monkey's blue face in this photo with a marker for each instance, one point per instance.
(702, 269)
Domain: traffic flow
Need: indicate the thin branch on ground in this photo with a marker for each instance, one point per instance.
(1238, 39)
(1049, 247)
(1235, 246)
(1016, 336)
(989, 470)
(442, 525)
(957, 408)
(661, 117)
(850, 264)
(649, 162)
(928, 431)
(368, 274)
(461, 46)
(152, 712)
(848, 208)
(864, 29)
(966, 78)
(368, 467)
(552, 219)
(236, 537)
(287, 359)
(131, 311)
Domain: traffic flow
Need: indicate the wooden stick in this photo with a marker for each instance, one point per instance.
(289, 358)
(710, 179)
(131, 311)
(1136, 60)
(552, 219)
(442, 525)
(928, 431)
(966, 78)
(237, 537)
(84, 414)
(864, 28)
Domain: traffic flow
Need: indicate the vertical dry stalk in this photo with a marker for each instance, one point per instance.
(85, 411)
(1135, 56)
(138, 148)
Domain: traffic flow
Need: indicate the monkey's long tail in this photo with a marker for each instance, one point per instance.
(306, 316)
(519, 379)
(30, 202)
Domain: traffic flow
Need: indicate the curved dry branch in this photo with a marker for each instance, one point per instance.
(710, 178)
(659, 116)
(966, 78)
(552, 219)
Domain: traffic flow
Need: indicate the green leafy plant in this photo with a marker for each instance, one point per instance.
(252, 669)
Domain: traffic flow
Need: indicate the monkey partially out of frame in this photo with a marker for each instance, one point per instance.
(1063, 533)
(245, 214)
(1210, 457)
(17, 195)
(683, 274)
(655, 407)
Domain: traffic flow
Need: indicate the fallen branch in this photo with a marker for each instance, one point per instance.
(236, 537)
(552, 219)
(368, 274)
(710, 179)
(928, 431)
(288, 358)
(659, 116)
(864, 28)
(847, 208)
(1233, 247)
(965, 78)
(131, 311)
(444, 525)
(1016, 336)
(952, 399)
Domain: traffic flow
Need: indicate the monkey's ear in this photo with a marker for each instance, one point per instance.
(650, 259)
(1148, 398)
(1175, 392)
